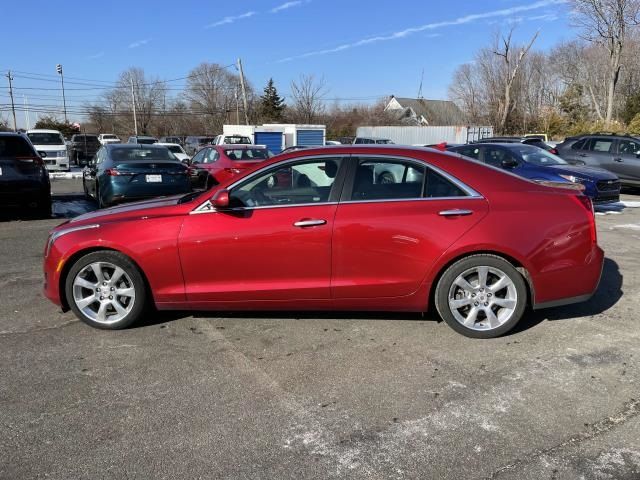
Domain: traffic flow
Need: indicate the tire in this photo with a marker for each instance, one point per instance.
(481, 309)
(101, 204)
(105, 309)
(386, 178)
(84, 187)
(43, 209)
(210, 183)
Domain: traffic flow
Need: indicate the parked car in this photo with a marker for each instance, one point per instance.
(215, 164)
(333, 238)
(52, 148)
(540, 136)
(177, 151)
(619, 154)
(232, 140)
(82, 148)
(536, 164)
(534, 140)
(371, 140)
(193, 144)
(24, 179)
(174, 140)
(332, 142)
(105, 138)
(128, 172)
(142, 139)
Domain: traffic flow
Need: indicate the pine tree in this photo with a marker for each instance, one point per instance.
(271, 104)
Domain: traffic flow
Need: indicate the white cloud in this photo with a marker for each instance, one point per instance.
(231, 19)
(139, 43)
(505, 12)
(547, 16)
(286, 6)
(95, 55)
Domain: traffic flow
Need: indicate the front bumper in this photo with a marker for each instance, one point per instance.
(59, 164)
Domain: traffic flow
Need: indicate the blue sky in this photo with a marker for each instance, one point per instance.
(364, 49)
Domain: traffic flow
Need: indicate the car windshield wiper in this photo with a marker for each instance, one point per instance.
(188, 197)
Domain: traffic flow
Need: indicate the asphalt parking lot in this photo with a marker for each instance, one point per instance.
(308, 396)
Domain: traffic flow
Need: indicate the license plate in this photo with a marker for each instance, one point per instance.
(153, 178)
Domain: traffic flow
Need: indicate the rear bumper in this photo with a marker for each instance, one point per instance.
(27, 196)
(569, 285)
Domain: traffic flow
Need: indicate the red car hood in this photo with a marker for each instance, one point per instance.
(155, 206)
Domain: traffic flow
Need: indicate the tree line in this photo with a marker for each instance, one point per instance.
(591, 83)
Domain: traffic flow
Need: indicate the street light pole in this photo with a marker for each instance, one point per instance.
(64, 100)
(13, 107)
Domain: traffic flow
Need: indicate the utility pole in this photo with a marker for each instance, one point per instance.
(13, 107)
(64, 100)
(27, 117)
(244, 93)
(237, 107)
(133, 100)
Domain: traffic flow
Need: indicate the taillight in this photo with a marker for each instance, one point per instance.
(34, 160)
(113, 172)
(554, 151)
(587, 204)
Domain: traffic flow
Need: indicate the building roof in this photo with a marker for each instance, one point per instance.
(436, 112)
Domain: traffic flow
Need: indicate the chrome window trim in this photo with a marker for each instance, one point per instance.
(207, 206)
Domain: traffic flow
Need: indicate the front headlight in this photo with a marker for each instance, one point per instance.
(56, 235)
(573, 178)
(62, 153)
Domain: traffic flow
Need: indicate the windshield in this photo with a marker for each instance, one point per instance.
(109, 137)
(384, 142)
(127, 154)
(237, 140)
(247, 154)
(147, 141)
(538, 156)
(40, 138)
(86, 138)
(175, 149)
(205, 141)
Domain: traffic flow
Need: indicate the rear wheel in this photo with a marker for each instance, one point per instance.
(106, 290)
(481, 296)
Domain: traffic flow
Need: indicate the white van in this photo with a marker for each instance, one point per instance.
(51, 146)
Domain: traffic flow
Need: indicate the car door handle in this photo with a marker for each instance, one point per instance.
(618, 159)
(456, 212)
(309, 222)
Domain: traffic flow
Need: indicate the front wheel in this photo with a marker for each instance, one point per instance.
(481, 296)
(106, 290)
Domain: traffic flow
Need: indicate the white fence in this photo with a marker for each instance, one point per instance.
(426, 135)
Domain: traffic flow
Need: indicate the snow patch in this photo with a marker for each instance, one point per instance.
(628, 226)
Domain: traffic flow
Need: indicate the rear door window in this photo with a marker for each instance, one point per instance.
(580, 144)
(387, 179)
(470, 151)
(600, 145)
(496, 156)
(436, 186)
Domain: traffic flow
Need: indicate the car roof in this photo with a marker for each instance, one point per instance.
(165, 144)
(11, 134)
(111, 146)
(240, 145)
(42, 130)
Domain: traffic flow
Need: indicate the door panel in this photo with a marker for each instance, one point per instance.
(257, 254)
(626, 163)
(386, 249)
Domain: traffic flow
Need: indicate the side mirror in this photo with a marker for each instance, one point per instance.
(221, 199)
(186, 161)
(509, 163)
(42, 154)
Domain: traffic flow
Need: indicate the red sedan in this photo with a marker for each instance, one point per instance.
(325, 229)
(215, 164)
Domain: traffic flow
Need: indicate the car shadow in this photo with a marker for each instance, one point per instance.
(608, 293)
(606, 296)
(71, 205)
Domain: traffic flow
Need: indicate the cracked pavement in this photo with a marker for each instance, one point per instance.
(303, 395)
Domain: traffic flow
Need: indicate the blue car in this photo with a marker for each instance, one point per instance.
(129, 172)
(537, 164)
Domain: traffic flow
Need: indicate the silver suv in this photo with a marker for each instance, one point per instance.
(619, 154)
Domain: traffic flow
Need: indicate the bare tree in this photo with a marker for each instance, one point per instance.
(308, 97)
(512, 62)
(213, 91)
(607, 23)
(466, 91)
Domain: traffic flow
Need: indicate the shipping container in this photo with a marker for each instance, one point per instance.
(426, 135)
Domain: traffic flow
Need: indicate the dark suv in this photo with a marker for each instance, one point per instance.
(82, 148)
(620, 154)
(24, 180)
